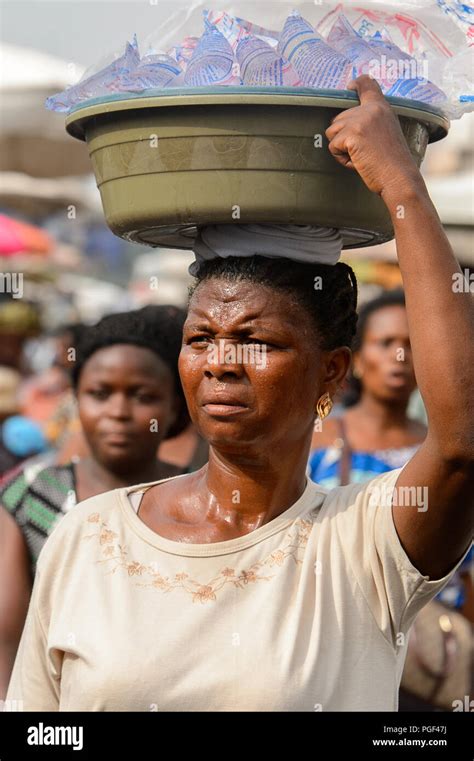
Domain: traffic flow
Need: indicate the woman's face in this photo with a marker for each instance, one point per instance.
(385, 359)
(126, 404)
(250, 366)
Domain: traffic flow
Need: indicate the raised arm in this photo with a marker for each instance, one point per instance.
(435, 534)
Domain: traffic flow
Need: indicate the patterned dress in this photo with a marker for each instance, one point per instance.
(38, 495)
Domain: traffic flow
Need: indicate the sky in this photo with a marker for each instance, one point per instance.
(80, 32)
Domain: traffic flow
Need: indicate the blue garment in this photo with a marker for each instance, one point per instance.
(453, 594)
(23, 437)
(323, 468)
(324, 464)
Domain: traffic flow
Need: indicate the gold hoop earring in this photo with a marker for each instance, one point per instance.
(324, 406)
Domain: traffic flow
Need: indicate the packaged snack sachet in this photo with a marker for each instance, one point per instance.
(212, 61)
(155, 70)
(401, 74)
(344, 38)
(317, 64)
(269, 35)
(183, 53)
(104, 82)
(259, 63)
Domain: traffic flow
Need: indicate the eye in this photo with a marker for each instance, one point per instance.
(261, 343)
(98, 393)
(198, 340)
(144, 398)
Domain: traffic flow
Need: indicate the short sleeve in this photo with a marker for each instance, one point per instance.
(393, 588)
(35, 679)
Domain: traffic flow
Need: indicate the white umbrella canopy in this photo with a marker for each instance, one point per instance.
(27, 68)
(93, 298)
(37, 197)
(161, 277)
(453, 196)
(33, 140)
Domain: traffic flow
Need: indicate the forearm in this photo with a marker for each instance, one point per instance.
(441, 322)
(440, 318)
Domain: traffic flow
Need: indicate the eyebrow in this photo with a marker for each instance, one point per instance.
(242, 330)
(202, 321)
(126, 389)
(99, 379)
(387, 336)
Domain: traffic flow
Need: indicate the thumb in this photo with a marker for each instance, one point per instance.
(367, 89)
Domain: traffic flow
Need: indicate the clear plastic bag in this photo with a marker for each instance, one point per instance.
(417, 49)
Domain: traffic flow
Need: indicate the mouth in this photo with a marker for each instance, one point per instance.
(223, 410)
(117, 439)
(397, 378)
(223, 406)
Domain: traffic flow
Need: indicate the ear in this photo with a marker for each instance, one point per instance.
(335, 366)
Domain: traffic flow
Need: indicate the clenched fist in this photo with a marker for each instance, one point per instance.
(369, 139)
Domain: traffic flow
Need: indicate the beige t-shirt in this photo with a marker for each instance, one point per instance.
(309, 612)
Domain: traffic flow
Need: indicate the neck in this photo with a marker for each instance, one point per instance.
(111, 479)
(383, 415)
(253, 489)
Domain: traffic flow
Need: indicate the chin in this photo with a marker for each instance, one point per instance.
(397, 397)
(229, 436)
(217, 438)
(126, 460)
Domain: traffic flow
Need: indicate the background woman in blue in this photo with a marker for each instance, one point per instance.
(374, 433)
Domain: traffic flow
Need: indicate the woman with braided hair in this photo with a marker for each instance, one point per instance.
(246, 586)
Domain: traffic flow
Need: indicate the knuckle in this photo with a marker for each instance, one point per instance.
(381, 108)
(358, 129)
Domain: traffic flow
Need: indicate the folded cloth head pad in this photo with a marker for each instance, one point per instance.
(300, 243)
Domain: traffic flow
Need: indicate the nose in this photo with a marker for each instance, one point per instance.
(118, 407)
(223, 361)
(401, 352)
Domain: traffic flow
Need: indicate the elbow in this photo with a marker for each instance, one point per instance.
(459, 459)
(456, 450)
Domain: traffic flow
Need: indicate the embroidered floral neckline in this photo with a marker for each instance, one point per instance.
(312, 497)
(115, 557)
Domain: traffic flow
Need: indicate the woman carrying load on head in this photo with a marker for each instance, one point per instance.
(245, 586)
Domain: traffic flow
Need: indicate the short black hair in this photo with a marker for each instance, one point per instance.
(394, 297)
(332, 307)
(155, 327)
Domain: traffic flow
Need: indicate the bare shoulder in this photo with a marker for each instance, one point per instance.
(327, 435)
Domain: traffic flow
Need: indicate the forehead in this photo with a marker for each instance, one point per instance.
(388, 320)
(127, 359)
(227, 302)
